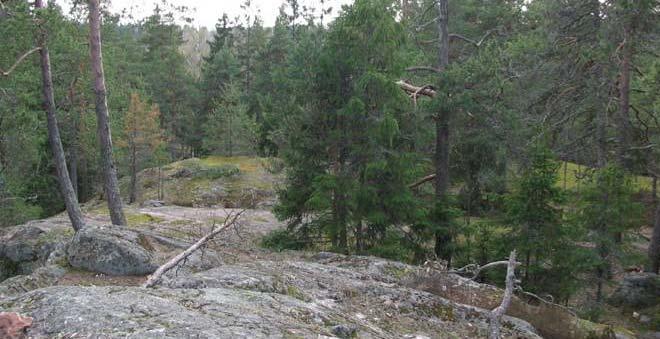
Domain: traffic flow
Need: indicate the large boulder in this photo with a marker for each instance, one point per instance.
(25, 248)
(637, 290)
(112, 250)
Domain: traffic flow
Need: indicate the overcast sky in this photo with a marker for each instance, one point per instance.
(207, 12)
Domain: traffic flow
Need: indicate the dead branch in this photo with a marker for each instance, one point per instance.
(415, 90)
(475, 43)
(497, 313)
(156, 277)
(422, 181)
(546, 301)
(423, 68)
(419, 28)
(475, 269)
(18, 61)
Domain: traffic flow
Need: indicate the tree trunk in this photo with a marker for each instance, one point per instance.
(623, 119)
(654, 246)
(68, 193)
(359, 237)
(160, 182)
(73, 167)
(231, 136)
(105, 139)
(442, 237)
(133, 187)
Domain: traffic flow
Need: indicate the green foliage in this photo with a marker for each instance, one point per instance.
(393, 246)
(607, 209)
(550, 259)
(281, 240)
(349, 164)
(229, 130)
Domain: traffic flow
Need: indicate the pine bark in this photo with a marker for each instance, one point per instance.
(68, 193)
(654, 246)
(132, 197)
(623, 118)
(105, 140)
(442, 238)
(73, 168)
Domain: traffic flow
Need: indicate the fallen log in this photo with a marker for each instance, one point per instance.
(157, 276)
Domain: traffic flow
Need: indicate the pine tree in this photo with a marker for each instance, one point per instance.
(607, 209)
(169, 84)
(229, 130)
(546, 243)
(339, 164)
(143, 137)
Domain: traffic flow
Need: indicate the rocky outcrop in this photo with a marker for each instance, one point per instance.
(112, 250)
(235, 289)
(260, 299)
(25, 248)
(41, 277)
(229, 182)
(637, 290)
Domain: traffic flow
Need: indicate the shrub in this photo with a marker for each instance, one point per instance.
(392, 247)
(281, 240)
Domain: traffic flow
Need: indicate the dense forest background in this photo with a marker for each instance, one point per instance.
(412, 129)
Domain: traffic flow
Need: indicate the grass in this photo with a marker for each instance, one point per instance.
(570, 174)
(134, 219)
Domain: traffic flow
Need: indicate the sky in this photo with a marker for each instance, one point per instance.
(207, 12)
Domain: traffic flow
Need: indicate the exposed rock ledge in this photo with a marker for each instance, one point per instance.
(261, 299)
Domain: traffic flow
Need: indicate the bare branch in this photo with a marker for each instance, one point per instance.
(546, 301)
(475, 43)
(156, 277)
(422, 181)
(424, 25)
(497, 313)
(412, 89)
(18, 61)
(423, 68)
(475, 269)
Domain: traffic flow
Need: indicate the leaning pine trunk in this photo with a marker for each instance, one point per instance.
(68, 193)
(105, 140)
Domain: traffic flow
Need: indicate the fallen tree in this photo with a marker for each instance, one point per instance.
(155, 278)
(499, 311)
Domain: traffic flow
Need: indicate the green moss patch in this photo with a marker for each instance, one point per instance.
(134, 219)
